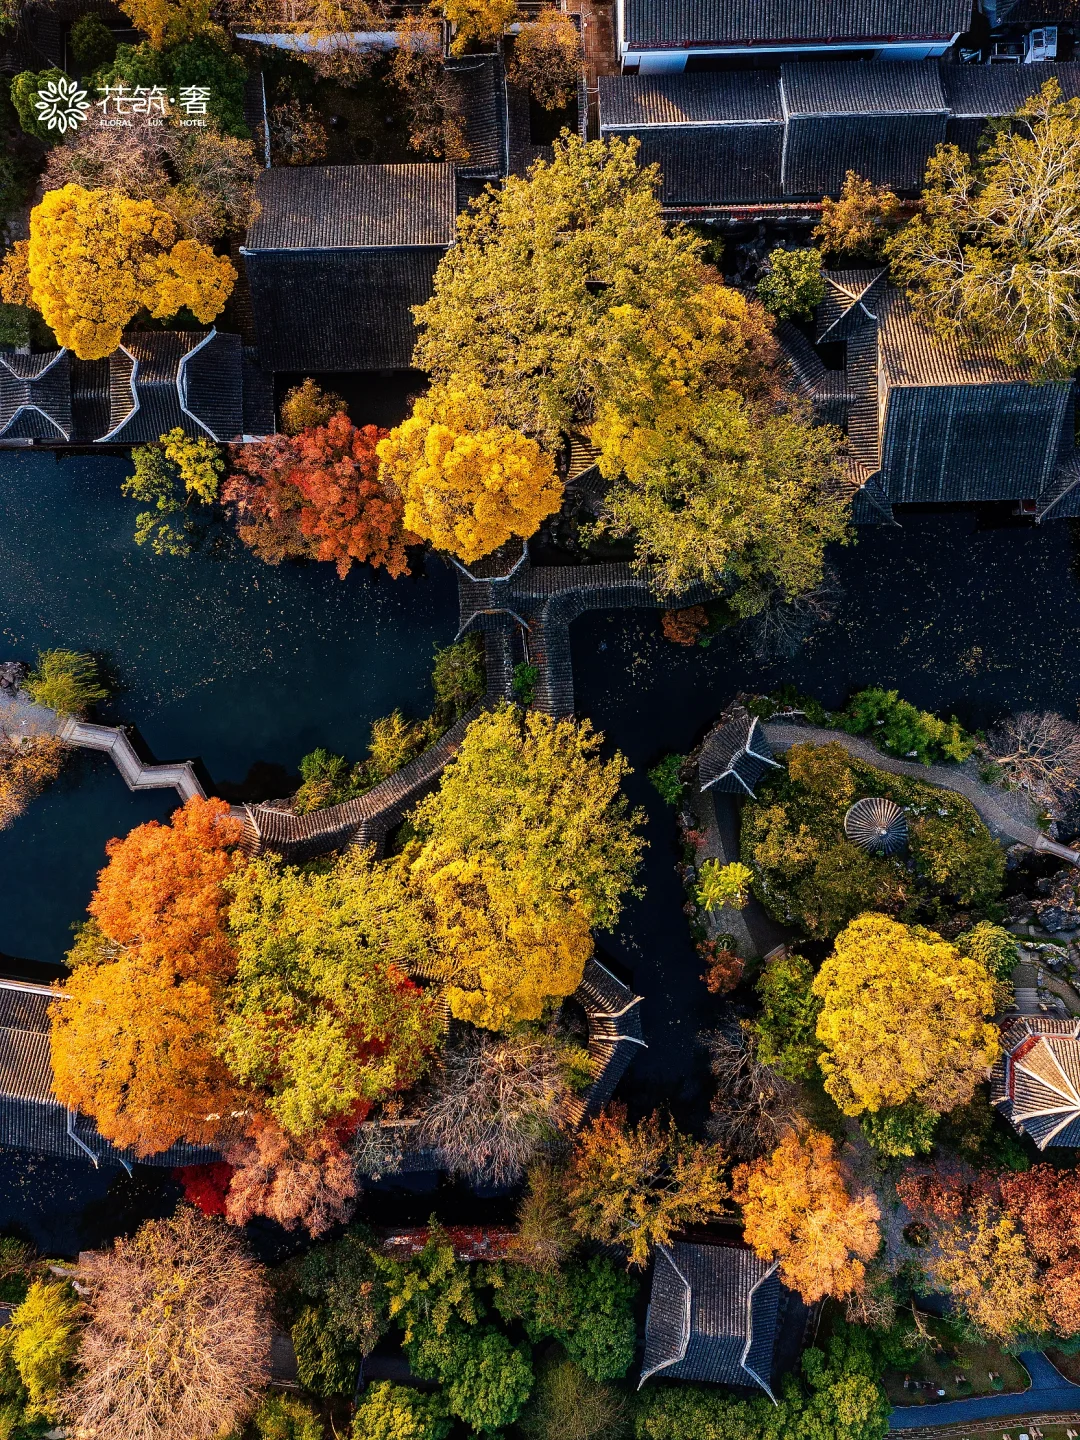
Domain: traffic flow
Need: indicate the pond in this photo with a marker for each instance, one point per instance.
(244, 666)
(962, 613)
(247, 668)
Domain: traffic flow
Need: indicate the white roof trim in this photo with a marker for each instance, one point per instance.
(134, 399)
(181, 384)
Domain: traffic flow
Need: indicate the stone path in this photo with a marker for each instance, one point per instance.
(18, 716)
(1048, 1394)
(544, 601)
(999, 818)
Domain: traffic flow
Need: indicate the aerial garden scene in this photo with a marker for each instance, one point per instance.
(539, 740)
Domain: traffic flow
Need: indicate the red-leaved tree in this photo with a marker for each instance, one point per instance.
(318, 494)
(205, 1186)
(1045, 1203)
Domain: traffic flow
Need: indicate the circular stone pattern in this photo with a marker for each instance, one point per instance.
(876, 825)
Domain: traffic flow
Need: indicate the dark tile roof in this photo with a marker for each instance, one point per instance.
(477, 90)
(890, 150)
(844, 88)
(161, 379)
(985, 90)
(334, 207)
(259, 416)
(882, 120)
(35, 396)
(827, 390)
(1036, 1081)
(936, 424)
(677, 23)
(716, 165)
(850, 298)
(712, 1315)
(727, 97)
(735, 756)
(338, 310)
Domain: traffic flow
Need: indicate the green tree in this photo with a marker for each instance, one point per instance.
(25, 88)
(726, 492)
(990, 257)
(200, 62)
(666, 780)
(345, 1281)
(458, 676)
(92, 42)
(720, 885)
(155, 482)
(431, 1293)
(283, 1417)
(786, 1028)
(899, 727)
(587, 1306)
(326, 1364)
(66, 681)
(486, 1380)
(791, 287)
(992, 946)
(902, 1131)
(321, 1018)
(398, 1412)
(567, 1405)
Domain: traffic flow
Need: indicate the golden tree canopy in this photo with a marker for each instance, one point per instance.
(566, 289)
(134, 1046)
(981, 1260)
(524, 848)
(905, 1016)
(95, 259)
(636, 1186)
(468, 483)
(797, 1208)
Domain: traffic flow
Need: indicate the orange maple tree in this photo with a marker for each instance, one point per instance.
(135, 1035)
(318, 494)
(798, 1209)
(161, 891)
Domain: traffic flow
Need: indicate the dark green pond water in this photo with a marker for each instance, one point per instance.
(219, 657)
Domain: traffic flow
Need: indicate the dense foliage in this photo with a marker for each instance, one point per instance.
(65, 681)
(527, 845)
(990, 256)
(469, 484)
(635, 1186)
(807, 870)
(905, 1017)
(95, 259)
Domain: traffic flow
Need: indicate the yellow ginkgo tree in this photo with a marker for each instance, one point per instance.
(469, 484)
(94, 259)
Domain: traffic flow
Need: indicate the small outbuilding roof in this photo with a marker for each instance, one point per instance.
(349, 207)
(674, 24)
(712, 1316)
(163, 379)
(35, 396)
(735, 756)
(1036, 1081)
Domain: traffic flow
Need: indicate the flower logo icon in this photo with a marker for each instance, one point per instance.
(61, 105)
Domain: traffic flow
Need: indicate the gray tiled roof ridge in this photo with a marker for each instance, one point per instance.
(410, 206)
(675, 23)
